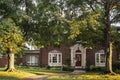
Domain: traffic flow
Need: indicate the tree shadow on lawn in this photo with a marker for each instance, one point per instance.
(8, 78)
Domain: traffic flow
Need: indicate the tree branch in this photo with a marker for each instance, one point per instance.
(115, 18)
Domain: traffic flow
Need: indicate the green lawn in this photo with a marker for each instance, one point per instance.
(14, 75)
(85, 76)
(23, 72)
(17, 75)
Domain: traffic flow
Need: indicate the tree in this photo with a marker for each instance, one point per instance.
(45, 24)
(109, 11)
(11, 37)
(10, 40)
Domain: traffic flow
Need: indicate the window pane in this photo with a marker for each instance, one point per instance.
(32, 60)
(36, 60)
(59, 58)
(102, 58)
(97, 58)
(54, 58)
(50, 58)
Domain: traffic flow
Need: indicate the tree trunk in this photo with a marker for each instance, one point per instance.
(107, 36)
(107, 66)
(109, 60)
(10, 67)
(110, 56)
(107, 48)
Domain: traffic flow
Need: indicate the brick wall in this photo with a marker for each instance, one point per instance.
(90, 56)
(3, 61)
(65, 49)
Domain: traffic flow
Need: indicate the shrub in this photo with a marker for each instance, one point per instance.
(57, 68)
(48, 67)
(116, 66)
(94, 68)
(67, 68)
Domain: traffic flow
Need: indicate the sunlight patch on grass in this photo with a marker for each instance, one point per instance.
(17, 74)
(22, 73)
(85, 77)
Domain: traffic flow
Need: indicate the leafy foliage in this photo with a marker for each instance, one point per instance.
(45, 25)
(11, 37)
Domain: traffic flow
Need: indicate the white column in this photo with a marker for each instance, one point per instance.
(72, 60)
(57, 58)
(84, 58)
(61, 59)
(51, 59)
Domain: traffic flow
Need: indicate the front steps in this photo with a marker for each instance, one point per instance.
(79, 70)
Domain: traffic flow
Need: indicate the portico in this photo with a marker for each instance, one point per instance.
(78, 56)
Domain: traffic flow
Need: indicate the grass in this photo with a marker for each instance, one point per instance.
(14, 75)
(17, 75)
(23, 72)
(85, 76)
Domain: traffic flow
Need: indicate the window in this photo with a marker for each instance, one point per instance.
(55, 58)
(100, 58)
(32, 60)
(59, 58)
(50, 58)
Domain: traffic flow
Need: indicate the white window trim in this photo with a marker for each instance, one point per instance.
(32, 60)
(50, 59)
(99, 63)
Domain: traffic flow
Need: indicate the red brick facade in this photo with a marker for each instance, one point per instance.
(90, 56)
(66, 56)
(3, 61)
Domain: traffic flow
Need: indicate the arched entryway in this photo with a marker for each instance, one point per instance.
(78, 56)
(78, 59)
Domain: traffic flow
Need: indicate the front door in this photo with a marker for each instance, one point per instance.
(78, 59)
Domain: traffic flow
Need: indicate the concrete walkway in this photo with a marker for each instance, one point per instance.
(42, 77)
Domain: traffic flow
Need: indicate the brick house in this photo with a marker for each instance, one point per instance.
(75, 56)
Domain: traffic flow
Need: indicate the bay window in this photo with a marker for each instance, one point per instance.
(55, 58)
